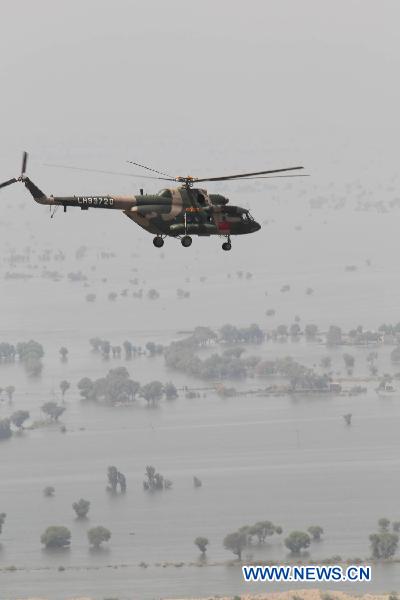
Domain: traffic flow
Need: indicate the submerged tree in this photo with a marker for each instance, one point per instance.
(98, 535)
(349, 361)
(56, 537)
(347, 417)
(152, 392)
(170, 391)
(315, 531)
(48, 491)
(262, 530)
(115, 479)
(5, 429)
(18, 418)
(81, 508)
(2, 520)
(334, 336)
(201, 543)
(383, 524)
(63, 353)
(155, 481)
(64, 387)
(9, 390)
(297, 541)
(30, 354)
(383, 544)
(52, 410)
(235, 542)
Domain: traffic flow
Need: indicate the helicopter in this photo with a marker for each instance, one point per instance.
(177, 212)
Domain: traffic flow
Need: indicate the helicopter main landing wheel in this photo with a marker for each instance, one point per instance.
(158, 241)
(227, 245)
(186, 241)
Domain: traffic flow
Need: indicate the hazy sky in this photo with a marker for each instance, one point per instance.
(198, 86)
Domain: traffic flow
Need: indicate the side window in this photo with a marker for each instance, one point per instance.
(201, 199)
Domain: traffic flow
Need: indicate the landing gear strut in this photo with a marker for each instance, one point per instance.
(186, 241)
(158, 241)
(227, 245)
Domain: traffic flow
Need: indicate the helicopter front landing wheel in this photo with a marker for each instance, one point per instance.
(158, 241)
(186, 241)
(227, 245)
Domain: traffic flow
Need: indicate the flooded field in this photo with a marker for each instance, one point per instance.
(289, 459)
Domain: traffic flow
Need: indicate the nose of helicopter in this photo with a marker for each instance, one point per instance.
(255, 226)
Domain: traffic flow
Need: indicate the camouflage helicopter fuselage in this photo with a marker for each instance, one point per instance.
(174, 212)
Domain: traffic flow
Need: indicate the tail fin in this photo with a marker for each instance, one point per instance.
(34, 190)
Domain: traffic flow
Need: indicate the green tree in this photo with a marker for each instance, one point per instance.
(63, 353)
(326, 362)
(201, 543)
(2, 520)
(315, 531)
(19, 417)
(349, 361)
(64, 387)
(86, 388)
(311, 331)
(155, 481)
(295, 329)
(384, 544)
(281, 331)
(30, 354)
(383, 524)
(52, 410)
(170, 391)
(81, 508)
(297, 541)
(98, 535)
(347, 417)
(115, 479)
(9, 390)
(152, 392)
(235, 542)
(334, 336)
(152, 294)
(263, 529)
(56, 537)
(5, 429)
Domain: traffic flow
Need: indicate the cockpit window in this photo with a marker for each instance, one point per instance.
(165, 193)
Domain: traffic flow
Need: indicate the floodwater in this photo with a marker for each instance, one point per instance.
(289, 460)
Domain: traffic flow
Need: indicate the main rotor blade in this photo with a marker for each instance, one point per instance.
(244, 175)
(9, 182)
(24, 163)
(106, 172)
(276, 176)
(149, 168)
